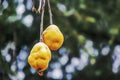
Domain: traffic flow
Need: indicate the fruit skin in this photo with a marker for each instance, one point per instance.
(40, 56)
(53, 37)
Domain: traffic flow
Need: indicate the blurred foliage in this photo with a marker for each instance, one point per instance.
(80, 21)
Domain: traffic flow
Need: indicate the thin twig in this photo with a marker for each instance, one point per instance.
(50, 12)
(33, 7)
(40, 4)
(40, 8)
(42, 17)
(41, 25)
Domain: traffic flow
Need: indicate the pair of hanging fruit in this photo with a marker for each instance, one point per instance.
(40, 55)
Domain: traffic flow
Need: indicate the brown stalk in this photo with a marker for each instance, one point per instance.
(50, 12)
(42, 18)
(33, 7)
(41, 24)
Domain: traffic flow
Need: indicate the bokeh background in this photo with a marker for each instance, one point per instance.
(91, 49)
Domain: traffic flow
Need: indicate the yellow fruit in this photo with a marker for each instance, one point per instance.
(53, 37)
(53, 27)
(39, 57)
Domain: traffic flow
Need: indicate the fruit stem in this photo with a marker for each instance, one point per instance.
(50, 12)
(41, 73)
(42, 17)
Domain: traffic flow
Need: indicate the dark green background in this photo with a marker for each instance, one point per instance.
(87, 25)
